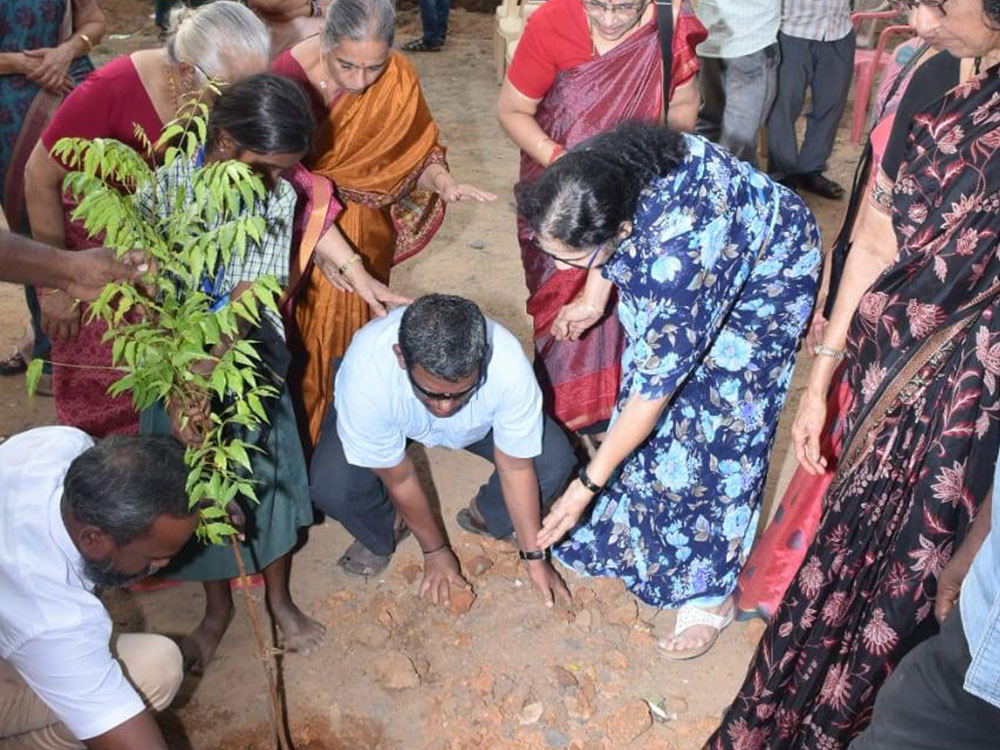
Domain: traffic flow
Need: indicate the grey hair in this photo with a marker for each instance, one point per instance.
(444, 334)
(214, 35)
(359, 21)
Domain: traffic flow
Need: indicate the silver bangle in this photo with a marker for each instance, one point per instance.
(826, 351)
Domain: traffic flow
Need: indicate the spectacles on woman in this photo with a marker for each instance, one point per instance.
(616, 9)
(904, 6)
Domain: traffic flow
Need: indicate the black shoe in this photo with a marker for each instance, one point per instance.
(419, 45)
(818, 184)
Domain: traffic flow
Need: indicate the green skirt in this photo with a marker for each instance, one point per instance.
(272, 525)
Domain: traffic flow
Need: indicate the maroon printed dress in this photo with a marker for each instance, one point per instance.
(920, 444)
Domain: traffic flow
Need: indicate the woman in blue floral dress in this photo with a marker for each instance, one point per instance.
(715, 267)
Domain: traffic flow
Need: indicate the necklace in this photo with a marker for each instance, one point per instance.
(171, 86)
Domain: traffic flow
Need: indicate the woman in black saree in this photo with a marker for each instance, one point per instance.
(918, 317)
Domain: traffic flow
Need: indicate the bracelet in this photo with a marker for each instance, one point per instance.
(348, 263)
(436, 549)
(538, 554)
(87, 39)
(587, 482)
(826, 351)
(44, 291)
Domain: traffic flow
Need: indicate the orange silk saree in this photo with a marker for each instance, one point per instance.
(373, 146)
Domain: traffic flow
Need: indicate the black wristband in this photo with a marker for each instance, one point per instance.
(436, 549)
(587, 481)
(538, 554)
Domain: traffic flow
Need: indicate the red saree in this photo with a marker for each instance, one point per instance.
(580, 379)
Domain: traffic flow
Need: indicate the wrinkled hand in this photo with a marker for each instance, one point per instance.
(441, 571)
(89, 271)
(564, 513)
(329, 269)
(60, 316)
(190, 424)
(574, 320)
(949, 586)
(807, 430)
(816, 329)
(457, 191)
(49, 68)
(374, 292)
(548, 581)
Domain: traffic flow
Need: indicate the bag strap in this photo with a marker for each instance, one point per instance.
(665, 30)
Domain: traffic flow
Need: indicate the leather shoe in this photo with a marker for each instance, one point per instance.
(817, 183)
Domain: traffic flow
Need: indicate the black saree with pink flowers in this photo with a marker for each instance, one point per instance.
(920, 445)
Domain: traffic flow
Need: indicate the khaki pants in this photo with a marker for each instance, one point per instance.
(152, 663)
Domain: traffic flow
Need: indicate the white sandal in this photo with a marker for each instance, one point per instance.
(688, 616)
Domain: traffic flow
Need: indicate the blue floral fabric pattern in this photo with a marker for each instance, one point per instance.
(716, 286)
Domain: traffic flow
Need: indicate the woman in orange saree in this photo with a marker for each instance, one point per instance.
(379, 145)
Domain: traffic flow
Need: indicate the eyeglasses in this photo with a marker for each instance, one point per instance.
(904, 6)
(454, 396)
(617, 9)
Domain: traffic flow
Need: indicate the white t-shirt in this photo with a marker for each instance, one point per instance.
(377, 410)
(53, 630)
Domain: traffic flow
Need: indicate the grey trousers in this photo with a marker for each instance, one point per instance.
(356, 497)
(923, 705)
(736, 95)
(826, 69)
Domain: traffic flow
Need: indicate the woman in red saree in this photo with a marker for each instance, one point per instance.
(146, 88)
(923, 427)
(581, 68)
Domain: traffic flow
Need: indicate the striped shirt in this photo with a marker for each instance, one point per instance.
(269, 257)
(819, 20)
(738, 27)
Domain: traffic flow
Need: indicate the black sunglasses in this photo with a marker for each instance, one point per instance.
(453, 396)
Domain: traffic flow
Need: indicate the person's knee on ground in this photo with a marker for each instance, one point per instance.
(153, 664)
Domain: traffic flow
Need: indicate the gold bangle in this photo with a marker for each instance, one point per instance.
(348, 263)
(84, 37)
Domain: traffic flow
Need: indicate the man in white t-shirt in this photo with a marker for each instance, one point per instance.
(75, 514)
(438, 373)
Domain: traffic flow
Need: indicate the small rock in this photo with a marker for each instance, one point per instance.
(395, 671)
(616, 660)
(625, 612)
(477, 244)
(584, 619)
(627, 723)
(461, 600)
(479, 565)
(753, 630)
(584, 596)
(555, 738)
(483, 682)
(531, 713)
(372, 635)
(411, 572)
(578, 708)
(564, 677)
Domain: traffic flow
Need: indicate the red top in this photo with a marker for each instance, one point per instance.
(286, 65)
(557, 38)
(106, 105)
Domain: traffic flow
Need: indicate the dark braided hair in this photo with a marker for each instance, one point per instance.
(584, 197)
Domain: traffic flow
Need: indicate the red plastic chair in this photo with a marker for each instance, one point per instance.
(867, 64)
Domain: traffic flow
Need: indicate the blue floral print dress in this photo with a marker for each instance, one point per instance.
(716, 285)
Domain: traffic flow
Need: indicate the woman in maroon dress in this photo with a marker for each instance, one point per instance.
(223, 41)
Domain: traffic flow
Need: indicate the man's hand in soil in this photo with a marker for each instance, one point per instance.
(548, 581)
(441, 572)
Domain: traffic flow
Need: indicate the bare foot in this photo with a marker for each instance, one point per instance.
(199, 647)
(297, 631)
(696, 637)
